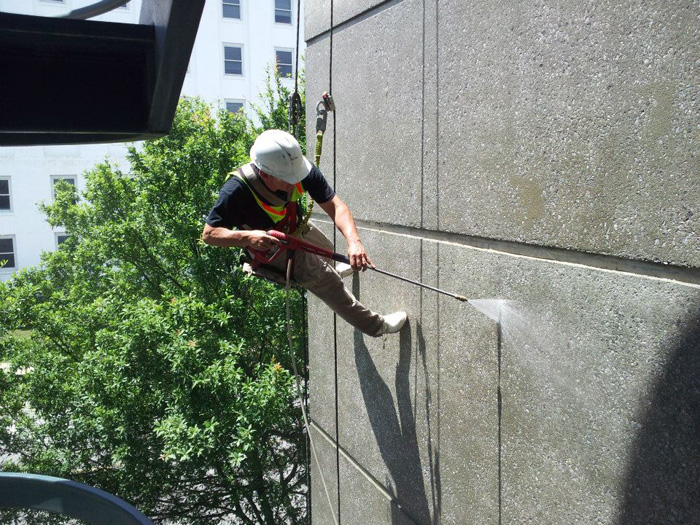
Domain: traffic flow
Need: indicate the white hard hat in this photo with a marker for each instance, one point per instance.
(278, 153)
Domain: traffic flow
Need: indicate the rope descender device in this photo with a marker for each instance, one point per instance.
(294, 112)
(324, 106)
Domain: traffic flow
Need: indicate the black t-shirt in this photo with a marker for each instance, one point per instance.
(236, 205)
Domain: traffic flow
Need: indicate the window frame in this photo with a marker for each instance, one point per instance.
(290, 10)
(291, 58)
(239, 46)
(13, 268)
(60, 234)
(240, 11)
(8, 178)
(240, 101)
(55, 178)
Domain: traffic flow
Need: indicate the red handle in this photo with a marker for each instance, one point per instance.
(263, 257)
(292, 243)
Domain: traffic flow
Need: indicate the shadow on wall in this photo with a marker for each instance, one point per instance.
(395, 430)
(663, 482)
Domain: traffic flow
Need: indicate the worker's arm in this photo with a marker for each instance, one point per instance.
(256, 239)
(339, 212)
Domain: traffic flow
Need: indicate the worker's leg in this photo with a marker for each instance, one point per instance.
(318, 238)
(319, 277)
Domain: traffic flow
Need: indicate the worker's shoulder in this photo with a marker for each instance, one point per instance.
(233, 184)
(315, 176)
(316, 172)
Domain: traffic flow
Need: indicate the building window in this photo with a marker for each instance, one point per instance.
(7, 253)
(5, 202)
(61, 238)
(233, 60)
(232, 8)
(234, 106)
(283, 11)
(283, 59)
(70, 179)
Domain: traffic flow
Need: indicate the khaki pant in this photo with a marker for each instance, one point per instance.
(318, 276)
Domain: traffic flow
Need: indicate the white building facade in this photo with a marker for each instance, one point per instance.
(237, 42)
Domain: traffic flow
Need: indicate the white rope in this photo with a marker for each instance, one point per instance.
(301, 399)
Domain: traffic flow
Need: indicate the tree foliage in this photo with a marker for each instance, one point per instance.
(147, 363)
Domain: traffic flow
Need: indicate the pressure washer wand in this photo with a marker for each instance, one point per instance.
(292, 243)
(417, 283)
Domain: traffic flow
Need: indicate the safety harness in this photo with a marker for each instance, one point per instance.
(282, 211)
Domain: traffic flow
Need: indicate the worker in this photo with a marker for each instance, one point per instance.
(263, 195)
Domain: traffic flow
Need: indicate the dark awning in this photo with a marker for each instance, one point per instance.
(65, 81)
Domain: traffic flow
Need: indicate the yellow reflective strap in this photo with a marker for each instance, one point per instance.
(276, 213)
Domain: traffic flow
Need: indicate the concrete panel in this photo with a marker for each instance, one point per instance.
(599, 374)
(379, 111)
(600, 379)
(430, 211)
(400, 393)
(323, 510)
(344, 10)
(385, 385)
(317, 17)
(321, 365)
(571, 124)
(362, 500)
(318, 83)
(321, 356)
(469, 411)
(318, 13)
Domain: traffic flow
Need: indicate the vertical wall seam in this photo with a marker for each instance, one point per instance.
(422, 128)
(438, 510)
(437, 112)
(499, 396)
(422, 200)
(438, 348)
(335, 242)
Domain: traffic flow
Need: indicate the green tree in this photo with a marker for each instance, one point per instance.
(273, 112)
(148, 364)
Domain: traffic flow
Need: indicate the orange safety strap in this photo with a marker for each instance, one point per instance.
(278, 213)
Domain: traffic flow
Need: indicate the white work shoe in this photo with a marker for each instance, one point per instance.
(393, 323)
(344, 269)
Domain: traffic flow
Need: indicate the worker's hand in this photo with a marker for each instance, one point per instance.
(359, 259)
(260, 240)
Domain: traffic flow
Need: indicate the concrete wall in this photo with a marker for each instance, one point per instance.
(541, 156)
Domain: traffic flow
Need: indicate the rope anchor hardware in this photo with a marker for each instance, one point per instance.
(324, 106)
